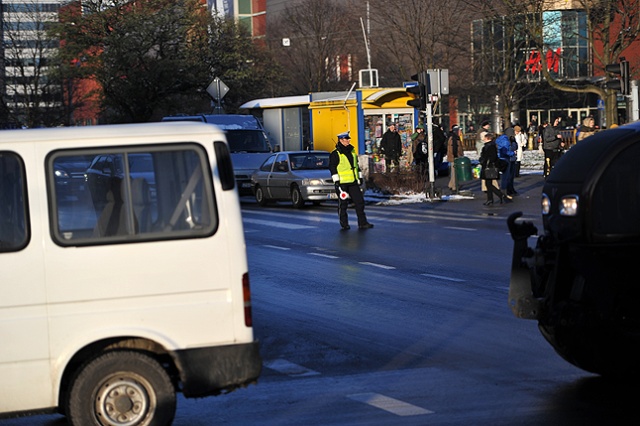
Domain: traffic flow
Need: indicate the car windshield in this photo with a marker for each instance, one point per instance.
(249, 141)
(309, 161)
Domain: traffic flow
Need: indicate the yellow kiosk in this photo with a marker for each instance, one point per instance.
(366, 113)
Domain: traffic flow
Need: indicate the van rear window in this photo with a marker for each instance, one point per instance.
(14, 226)
(131, 194)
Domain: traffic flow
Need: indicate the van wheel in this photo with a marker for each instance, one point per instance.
(260, 197)
(296, 197)
(121, 388)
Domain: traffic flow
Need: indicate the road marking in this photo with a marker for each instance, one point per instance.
(441, 277)
(391, 405)
(276, 247)
(276, 224)
(377, 265)
(328, 256)
(289, 368)
(458, 228)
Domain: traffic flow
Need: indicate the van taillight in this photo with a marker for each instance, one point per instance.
(246, 296)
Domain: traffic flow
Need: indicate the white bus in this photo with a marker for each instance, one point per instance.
(123, 272)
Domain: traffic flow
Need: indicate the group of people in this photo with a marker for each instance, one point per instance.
(500, 160)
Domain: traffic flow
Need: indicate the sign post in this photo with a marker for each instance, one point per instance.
(217, 90)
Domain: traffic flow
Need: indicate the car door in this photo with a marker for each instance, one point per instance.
(279, 177)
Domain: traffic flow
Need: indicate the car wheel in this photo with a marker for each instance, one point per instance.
(260, 197)
(121, 388)
(296, 197)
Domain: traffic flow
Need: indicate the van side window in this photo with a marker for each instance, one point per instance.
(128, 195)
(14, 225)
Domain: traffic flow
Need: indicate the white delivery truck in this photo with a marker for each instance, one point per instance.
(123, 272)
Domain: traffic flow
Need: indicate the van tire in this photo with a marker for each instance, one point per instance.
(260, 197)
(296, 197)
(131, 381)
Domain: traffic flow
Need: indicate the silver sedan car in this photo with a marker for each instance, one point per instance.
(298, 176)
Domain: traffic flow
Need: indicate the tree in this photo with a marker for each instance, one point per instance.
(156, 57)
(416, 35)
(247, 67)
(321, 34)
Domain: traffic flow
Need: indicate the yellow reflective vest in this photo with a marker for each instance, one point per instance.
(347, 173)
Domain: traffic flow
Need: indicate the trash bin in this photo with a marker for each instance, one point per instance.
(463, 169)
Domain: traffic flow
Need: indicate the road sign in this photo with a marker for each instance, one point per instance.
(217, 89)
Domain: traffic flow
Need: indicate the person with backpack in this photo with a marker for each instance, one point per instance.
(507, 162)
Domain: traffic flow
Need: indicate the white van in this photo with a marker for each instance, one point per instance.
(123, 272)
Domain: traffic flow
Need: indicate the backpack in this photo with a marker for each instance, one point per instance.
(504, 147)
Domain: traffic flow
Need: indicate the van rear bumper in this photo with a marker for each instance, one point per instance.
(217, 369)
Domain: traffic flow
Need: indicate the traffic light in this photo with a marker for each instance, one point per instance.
(419, 90)
(622, 83)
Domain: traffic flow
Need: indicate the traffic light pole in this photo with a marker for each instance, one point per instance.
(430, 190)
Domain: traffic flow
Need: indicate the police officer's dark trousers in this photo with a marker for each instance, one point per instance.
(356, 196)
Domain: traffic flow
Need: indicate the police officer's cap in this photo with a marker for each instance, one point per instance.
(344, 135)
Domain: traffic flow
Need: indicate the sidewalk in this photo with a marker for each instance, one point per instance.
(470, 197)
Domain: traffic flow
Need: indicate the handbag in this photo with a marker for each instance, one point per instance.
(491, 172)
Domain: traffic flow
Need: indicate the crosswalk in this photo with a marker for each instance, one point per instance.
(314, 218)
(383, 402)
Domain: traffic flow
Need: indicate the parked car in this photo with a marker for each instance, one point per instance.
(580, 280)
(298, 176)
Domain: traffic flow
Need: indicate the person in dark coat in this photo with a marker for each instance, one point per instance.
(420, 151)
(489, 158)
(551, 144)
(391, 147)
(454, 150)
(439, 145)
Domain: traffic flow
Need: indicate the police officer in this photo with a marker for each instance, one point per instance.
(346, 176)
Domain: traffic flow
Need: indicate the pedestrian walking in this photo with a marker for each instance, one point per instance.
(346, 175)
(552, 144)
(490, 171)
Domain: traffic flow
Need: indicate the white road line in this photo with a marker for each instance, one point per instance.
(378, 265)
(458, 228)
(441, 277)
(276, 247)
(328, 256)
(391, 405)
(289, 368)
(276, 224)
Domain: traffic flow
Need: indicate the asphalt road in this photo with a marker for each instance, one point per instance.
(403, 324)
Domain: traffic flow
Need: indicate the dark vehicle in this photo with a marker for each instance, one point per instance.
(581, 281)
(247, 140)
(69, 174)
(298, 176)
